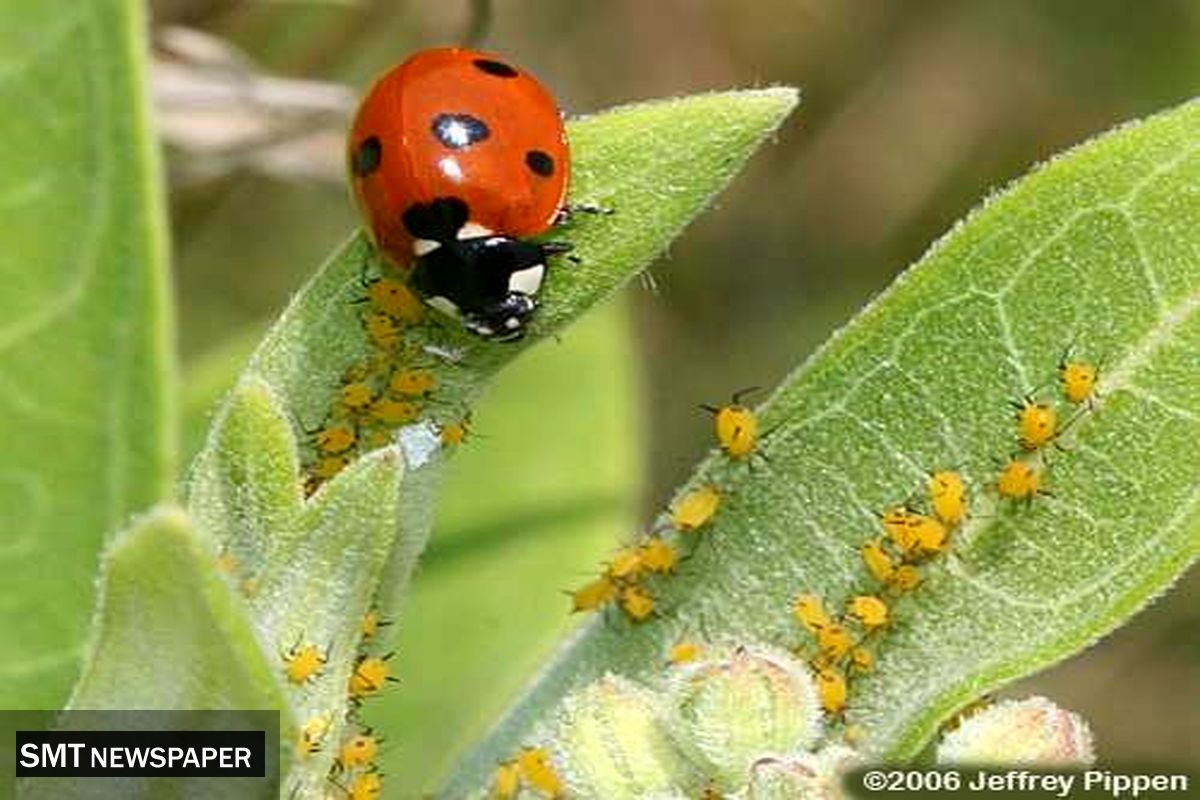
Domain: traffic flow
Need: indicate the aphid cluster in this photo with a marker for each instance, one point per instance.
(912, 535)
(382, 392)
(1039, 426)
(623, 581)
(354, 768)
(844, 644)
(530, 768)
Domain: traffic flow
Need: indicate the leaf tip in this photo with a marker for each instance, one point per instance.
(163, 520)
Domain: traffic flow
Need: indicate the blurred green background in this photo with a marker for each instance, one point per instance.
(913, 111)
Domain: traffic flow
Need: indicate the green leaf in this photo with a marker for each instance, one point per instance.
(85, 367)
(170, 632)
(309, 568)
(1099, 249)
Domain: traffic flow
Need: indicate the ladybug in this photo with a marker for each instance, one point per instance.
(457, 159)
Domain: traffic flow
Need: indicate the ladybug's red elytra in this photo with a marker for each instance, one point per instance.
(457, 158)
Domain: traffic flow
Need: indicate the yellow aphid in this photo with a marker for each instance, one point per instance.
(370, 625)
(869, 610)
(312, 734)
(358, 751)
(1078, 380)
(834, 641)
(948, 496)
(454, 433)
(1037, 423)
(393, 297)
(854, 735)
(912, 532)
(380, 437)
(906, 578)
(626, 563)
(303, 663)
(831, 687)
(357, 373)
(507, 781)
(659, 556)
(413, 382)
(371, 673)
(878, 561)
(897, 523)
(810, 612)
(684, 653)
(356, 396)
(595, 595)
(637, 603)
(366, 786)
(394, 412)
(736, 429)
(1020, 479)
(382, 330)
(862, 659)
(227, 563)
(930, 534)
(329, 466)
(534, 764)
(695, 509)
(336, 439)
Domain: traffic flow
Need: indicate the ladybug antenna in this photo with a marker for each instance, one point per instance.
(479, 23)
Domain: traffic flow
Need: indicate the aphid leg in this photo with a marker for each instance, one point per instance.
(646, 277)
(741, 393)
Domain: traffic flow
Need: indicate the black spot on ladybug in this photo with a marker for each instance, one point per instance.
(497, 68)
(367, 157)
(540, 162)
(457, 131)
(437, 221)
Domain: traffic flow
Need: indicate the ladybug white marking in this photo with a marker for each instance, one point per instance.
(450, 168)
(527, 281)
(473, 230)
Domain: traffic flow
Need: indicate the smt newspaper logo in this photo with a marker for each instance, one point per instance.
(141, 753)
(229, 755)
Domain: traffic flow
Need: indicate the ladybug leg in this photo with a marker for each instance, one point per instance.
(590, 208)
(503, 321)
(559, 248)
